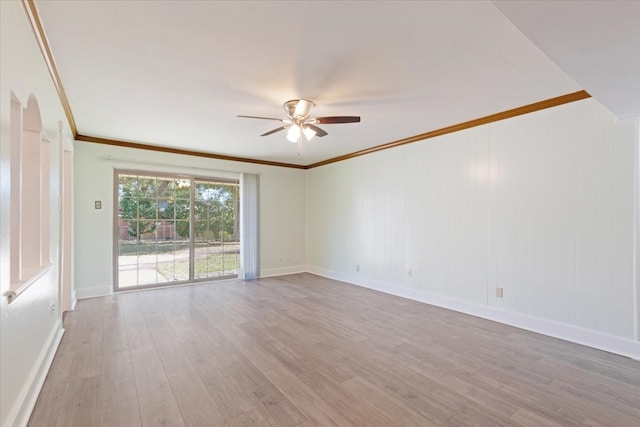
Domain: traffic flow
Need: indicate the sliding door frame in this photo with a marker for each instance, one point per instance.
(192, 224)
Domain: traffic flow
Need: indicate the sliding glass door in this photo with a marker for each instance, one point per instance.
(174, 229)
(217, 245)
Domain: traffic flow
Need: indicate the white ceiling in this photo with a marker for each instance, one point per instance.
(176, 73)
(595, 42)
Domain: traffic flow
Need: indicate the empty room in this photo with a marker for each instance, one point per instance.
(319, 213)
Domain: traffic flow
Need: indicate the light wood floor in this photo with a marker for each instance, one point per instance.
(302, 350)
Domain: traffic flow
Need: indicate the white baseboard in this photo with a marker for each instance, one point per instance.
(590, 338)
(19, 416)
(283, 271)
(93, 292)
(376, 285)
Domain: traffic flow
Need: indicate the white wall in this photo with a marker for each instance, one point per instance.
(282, 209)
(542, 205)
(29, 330)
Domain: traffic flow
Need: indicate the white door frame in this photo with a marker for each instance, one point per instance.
(66, 291)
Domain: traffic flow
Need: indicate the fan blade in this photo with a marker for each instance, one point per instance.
(274, 131)
(319, 132)
(337, 119)
(263, 118)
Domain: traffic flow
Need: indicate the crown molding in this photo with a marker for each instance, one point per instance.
(47, 55)
(172, 150)
(525, 109)
(530, 108)
(43, 43)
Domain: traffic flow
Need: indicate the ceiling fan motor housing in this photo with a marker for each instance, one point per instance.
(296, 108)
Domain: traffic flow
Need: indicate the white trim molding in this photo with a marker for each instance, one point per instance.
(283, 271)
(636, 224)
(93, 292)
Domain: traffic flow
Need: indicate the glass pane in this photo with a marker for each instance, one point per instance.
(166, 261)
(231, 258)
(165, 230)
(133, 230)
(146, 186)
(203, 233)
(126, 185)
(146, 230)
(147, 260)
(180, 209)
(182, 231)
(164, 209)
(183, 189)
(128, 209)
(165, 187)
(127, 261)
(181, 257)
(147, 208)
(201, 252)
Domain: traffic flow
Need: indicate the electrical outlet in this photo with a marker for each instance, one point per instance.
(98, 204)
(409, 273)
(357, 268)
(499, 292)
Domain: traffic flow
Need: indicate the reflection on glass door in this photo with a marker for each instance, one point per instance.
(156, 218)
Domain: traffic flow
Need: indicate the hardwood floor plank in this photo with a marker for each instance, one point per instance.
(196, 405)
(245, 419)
(485, 397)
(118, 393)
(306, 399)
(531, 419)
(303, 350)
(290, 384)
(80, 404)
(229, 396)
(359, 411)
(389, 406)
(119, 404)
(158, 406)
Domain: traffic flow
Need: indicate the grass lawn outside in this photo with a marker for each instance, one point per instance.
(212, 265)
(171, 259)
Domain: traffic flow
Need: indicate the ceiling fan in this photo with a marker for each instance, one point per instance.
(299, 120)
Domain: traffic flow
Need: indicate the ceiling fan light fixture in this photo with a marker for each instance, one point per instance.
(308, 133)
(293, 134)
(299, 121)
